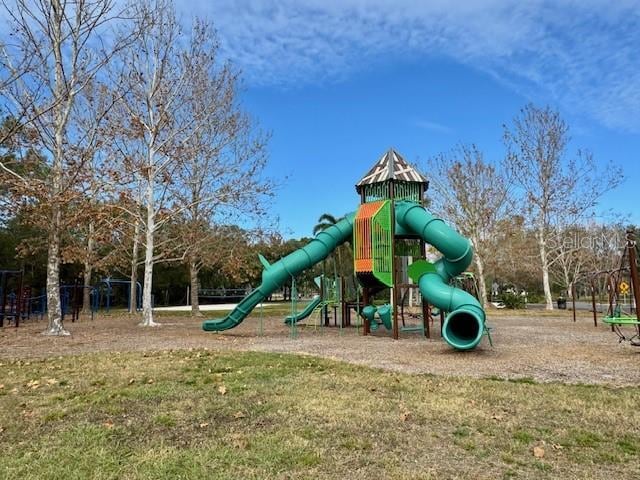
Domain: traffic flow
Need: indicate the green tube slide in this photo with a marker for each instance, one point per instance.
(384, 312)
(275, 275)
(308, 310)
(464, 325)
(369, 313)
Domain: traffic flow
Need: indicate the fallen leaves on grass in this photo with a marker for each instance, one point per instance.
(33, 384)
(222, 390)
(538, 452)
(239, 414)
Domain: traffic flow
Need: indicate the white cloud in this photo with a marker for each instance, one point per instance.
(584, 55)
(432, 126)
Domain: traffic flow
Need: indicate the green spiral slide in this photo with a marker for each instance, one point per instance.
(465, 324)
(274, 276)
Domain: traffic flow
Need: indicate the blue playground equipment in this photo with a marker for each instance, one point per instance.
(104, 291)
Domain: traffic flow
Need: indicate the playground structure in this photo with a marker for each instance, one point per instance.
(617, 287)
(329, 298)
(103, 292)
(390, 228)
(12, 304)
(337, 297)
(17, 302)
(72, 299)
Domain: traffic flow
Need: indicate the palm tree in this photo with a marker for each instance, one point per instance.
(325, 221)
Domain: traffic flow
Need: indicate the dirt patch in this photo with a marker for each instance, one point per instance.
(542, 348)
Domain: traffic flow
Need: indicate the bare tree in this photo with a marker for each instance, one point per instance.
(474, 196)
(606, 242)
(221, 175)
(570, 256)
(127, 191)
(12, 68)
(165, 106)
(91, 241)
(57, 37)
(556, 191)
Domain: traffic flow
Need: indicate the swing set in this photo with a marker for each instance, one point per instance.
(618, 287)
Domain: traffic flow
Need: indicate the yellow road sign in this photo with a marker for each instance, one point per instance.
(624, 288)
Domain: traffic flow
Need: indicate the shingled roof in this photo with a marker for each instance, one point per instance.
(391, 166)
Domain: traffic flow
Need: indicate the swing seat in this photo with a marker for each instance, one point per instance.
(624, 320)
(621, 320)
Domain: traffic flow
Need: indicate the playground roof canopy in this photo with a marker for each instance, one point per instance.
(391, 166)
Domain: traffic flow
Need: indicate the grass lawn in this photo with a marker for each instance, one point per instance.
(200, 414)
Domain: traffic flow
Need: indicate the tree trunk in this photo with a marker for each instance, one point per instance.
(147, 308)
(568, 281)
(86, 292)
(54, 310)
(61, 113)
(88, 271)
(133, 287)
(545, 271)
(482, 286)
(195, 286)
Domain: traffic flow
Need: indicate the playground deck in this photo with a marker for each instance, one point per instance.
(533, 345)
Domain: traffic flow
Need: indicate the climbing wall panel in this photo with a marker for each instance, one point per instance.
(382, 243)
(362, 238)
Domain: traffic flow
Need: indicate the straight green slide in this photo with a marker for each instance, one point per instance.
(308, 310)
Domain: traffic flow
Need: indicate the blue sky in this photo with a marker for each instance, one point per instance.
(339, 82)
